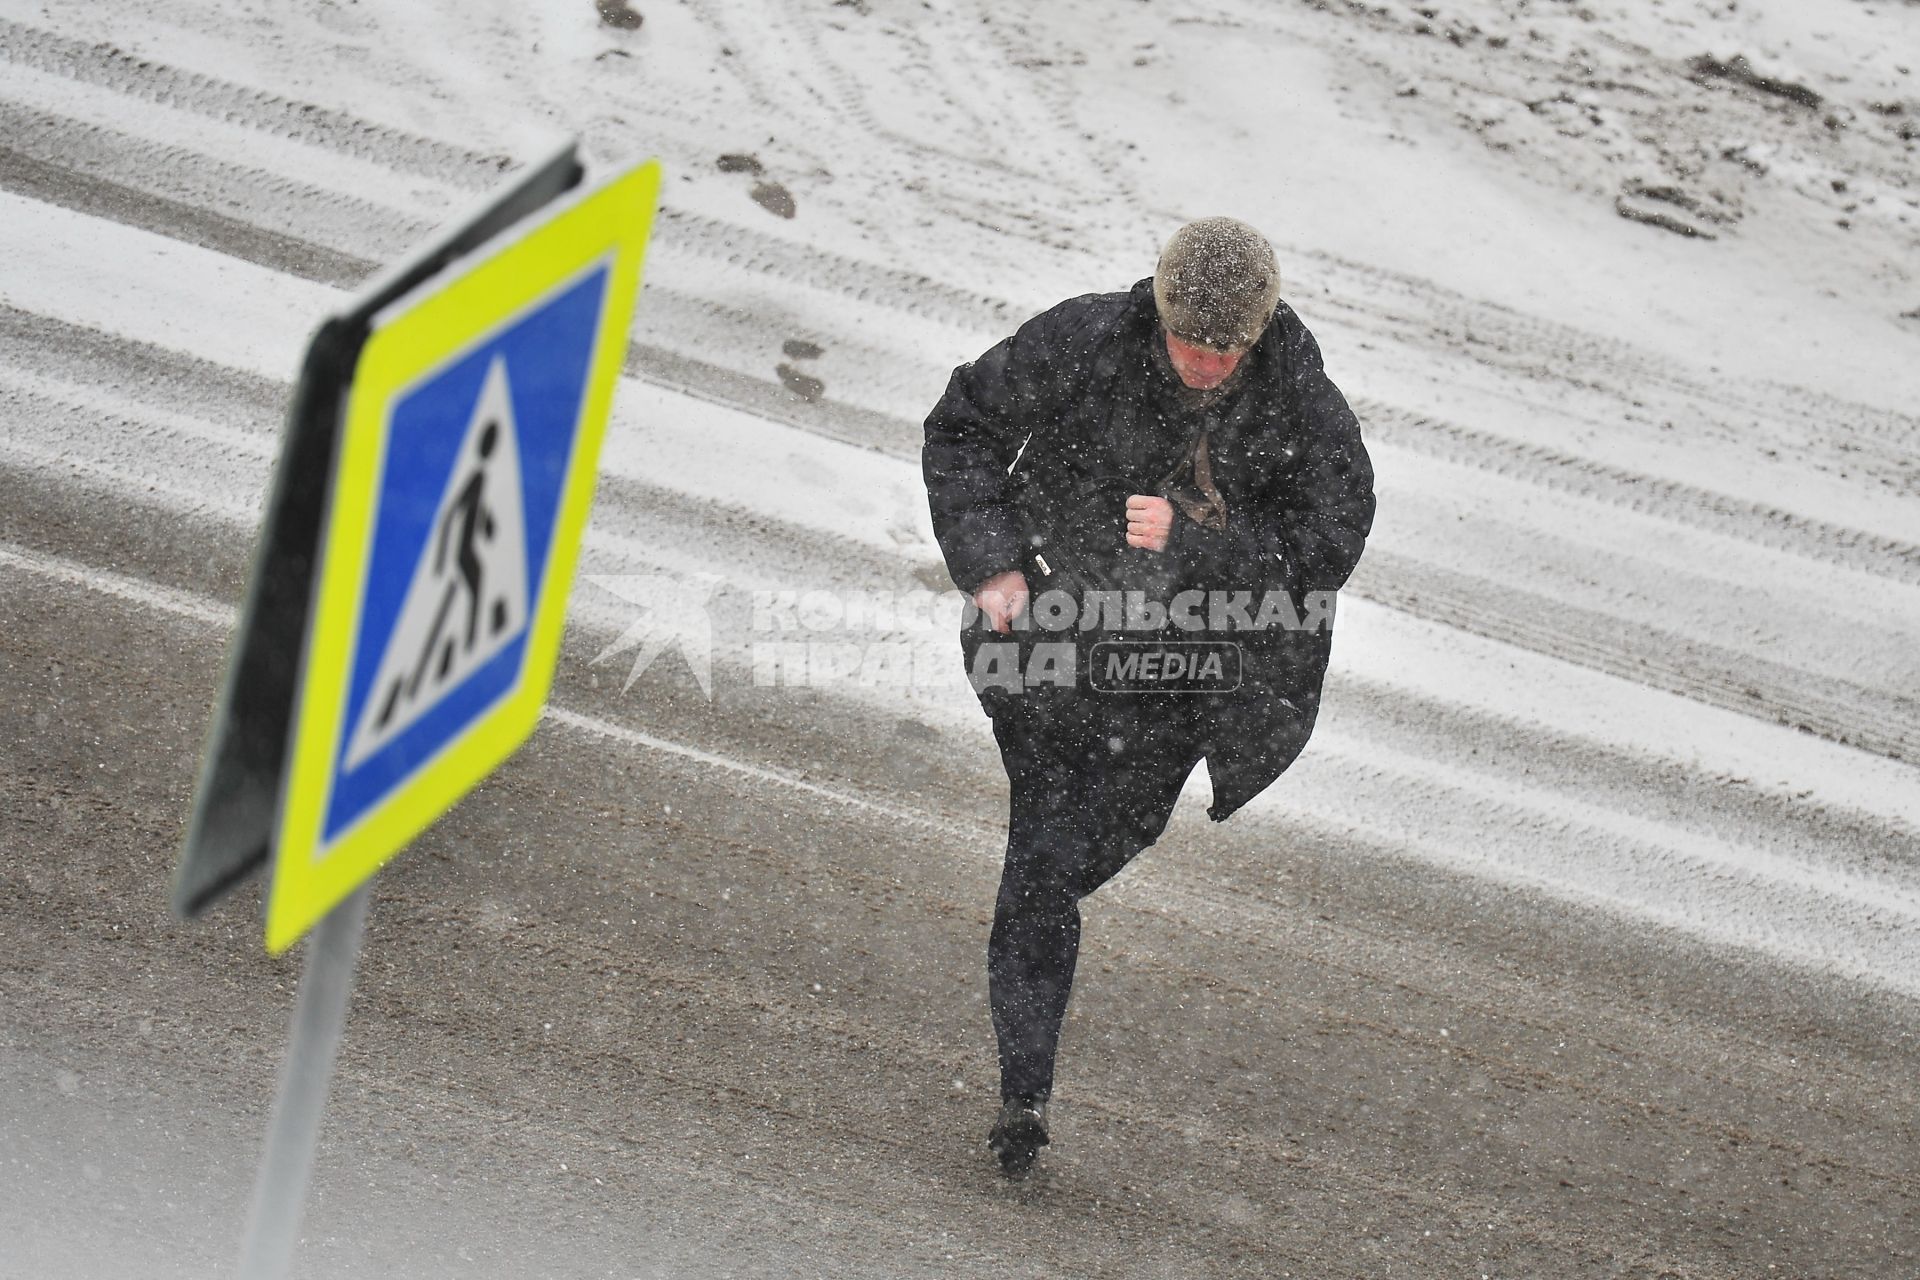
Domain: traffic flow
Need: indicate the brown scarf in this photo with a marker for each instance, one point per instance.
(1189, 486)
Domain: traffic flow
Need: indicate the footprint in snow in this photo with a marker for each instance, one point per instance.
(768, 194)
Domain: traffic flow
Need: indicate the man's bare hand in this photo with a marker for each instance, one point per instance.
(1149, 521)
(1001, 598)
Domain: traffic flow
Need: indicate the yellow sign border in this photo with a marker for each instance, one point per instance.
(410, 342)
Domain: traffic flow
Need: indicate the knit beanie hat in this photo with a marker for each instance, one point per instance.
(1217, 284)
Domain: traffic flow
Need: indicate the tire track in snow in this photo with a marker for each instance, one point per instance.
(1885, 723)
(1649, 495)
(251, 197)
(1405, 309)
(163, 85)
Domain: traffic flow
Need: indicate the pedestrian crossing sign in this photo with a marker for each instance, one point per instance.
(462, 478)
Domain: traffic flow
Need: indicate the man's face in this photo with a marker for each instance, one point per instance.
(1201, 368)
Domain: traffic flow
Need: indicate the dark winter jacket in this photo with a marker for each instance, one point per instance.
(1036, 444)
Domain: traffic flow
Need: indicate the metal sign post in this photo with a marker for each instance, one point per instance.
(319, 1015)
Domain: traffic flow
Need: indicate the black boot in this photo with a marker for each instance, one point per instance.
(1018, 1135)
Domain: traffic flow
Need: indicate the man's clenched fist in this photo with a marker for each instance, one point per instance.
(1001, 598)
(1149, 521)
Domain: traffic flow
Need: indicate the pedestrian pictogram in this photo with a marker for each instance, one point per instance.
(468, 595)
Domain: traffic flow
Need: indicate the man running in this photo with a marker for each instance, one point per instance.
(1178, 445)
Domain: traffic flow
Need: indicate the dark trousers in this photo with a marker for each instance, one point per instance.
(1090, 785)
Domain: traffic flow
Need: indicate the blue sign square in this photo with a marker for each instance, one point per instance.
(536, 366)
